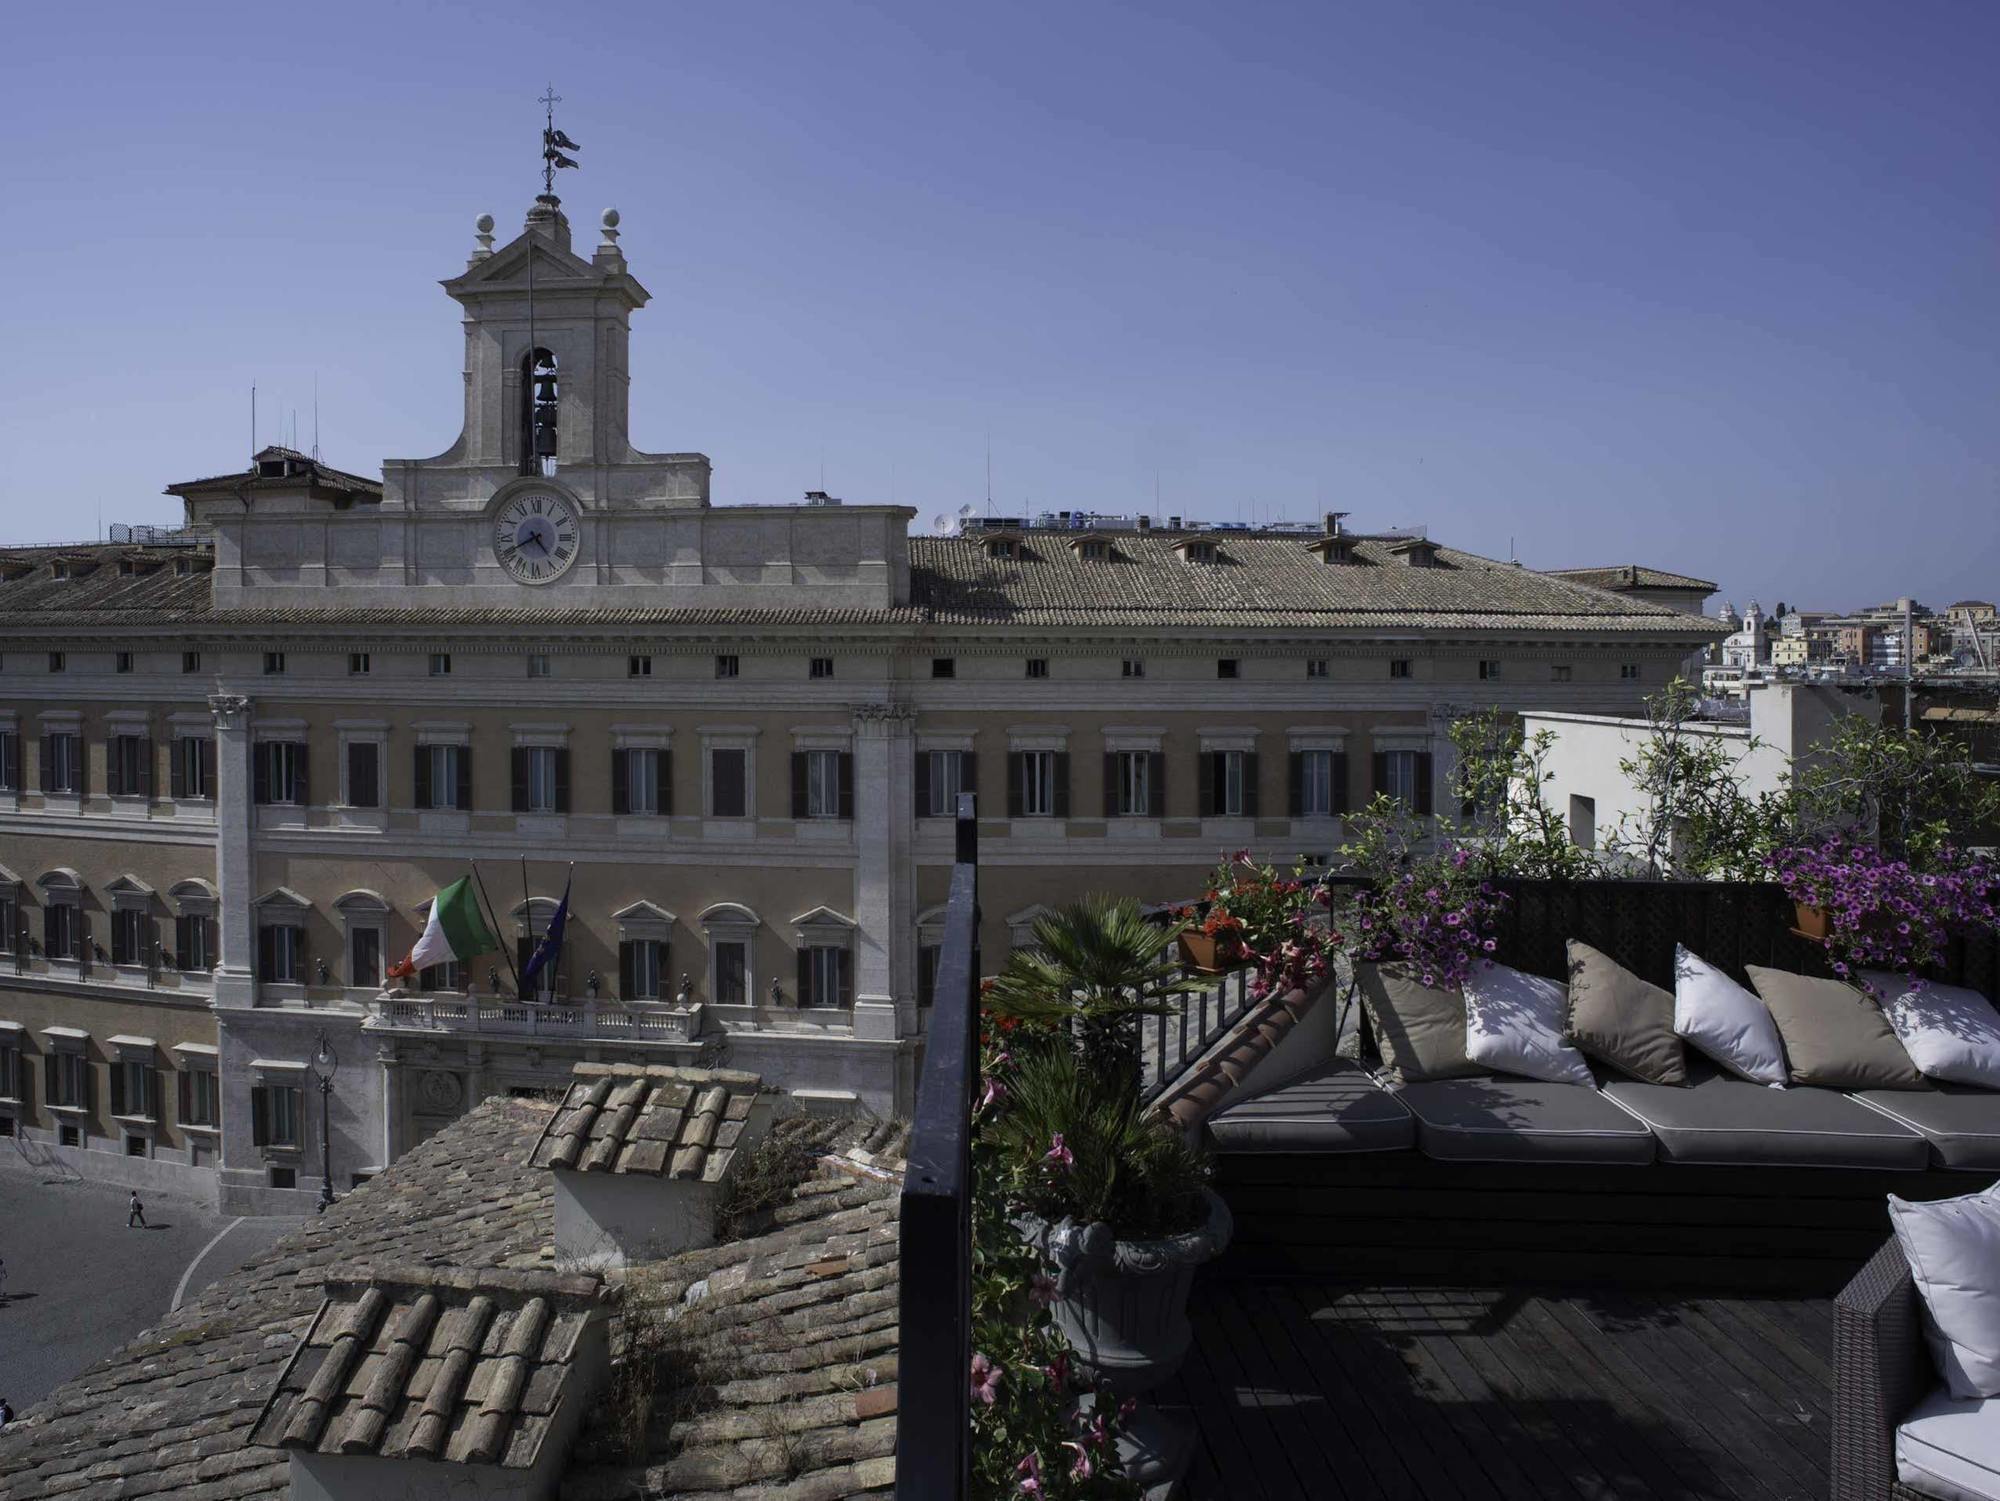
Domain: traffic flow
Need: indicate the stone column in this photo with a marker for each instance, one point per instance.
(235, 859)
(883, 815)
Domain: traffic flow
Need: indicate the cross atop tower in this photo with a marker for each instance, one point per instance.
(554, 142)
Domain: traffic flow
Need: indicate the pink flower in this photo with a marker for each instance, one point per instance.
(1041, 1289)
(1059, 1154)
(1126, 1408)
(1080, 1468)
(985, 1379)
(1030, 1468)
(1057, 1371)
(992, 1094)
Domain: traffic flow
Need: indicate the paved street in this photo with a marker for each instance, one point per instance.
(79, 1284)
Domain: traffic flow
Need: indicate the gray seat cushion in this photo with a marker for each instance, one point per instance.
(1719, 1119)
(1504, 1119)
(1949, 1447)
(1335, 1108)
(1961, 1123)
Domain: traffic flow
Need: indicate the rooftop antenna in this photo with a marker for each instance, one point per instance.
(253, 419)
(315, 416)
(989, 471)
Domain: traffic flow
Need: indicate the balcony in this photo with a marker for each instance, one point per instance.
(608, 1021)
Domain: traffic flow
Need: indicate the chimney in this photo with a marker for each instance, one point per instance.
(640, 1154)
(435, 1383)
(1330, 525)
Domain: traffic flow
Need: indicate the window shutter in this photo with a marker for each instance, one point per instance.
(1340, 798)
(260, 1116)
(118, 1100)
(1062, 784)
(10, 761)
(114, 784)
(1423, 807)
(1249, 784)
(208, 766)
(89, 1101)
(464, 788)
(149, 1082)
(177, 770)
(923, 784)
(302, 793)
(798, 784)
(621, 781)
(267, 952)
(805, 977)
(1156, 783)
(363, 761)
(145, 787)
(847, 784)
(1381, 759)
(49, 1079)
(1210, 773)
(846, 996)
(520, 777)
(562, 779)
(1110, 784)
(183, 1092)
(48, 762)
(1295, 783)
(666, 764)
(82, 766)
(423, 768)
(1017, 780)
(626, 983)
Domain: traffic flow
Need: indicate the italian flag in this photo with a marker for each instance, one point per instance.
(456, 932)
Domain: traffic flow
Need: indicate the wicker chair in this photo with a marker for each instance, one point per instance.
(1881, 1369)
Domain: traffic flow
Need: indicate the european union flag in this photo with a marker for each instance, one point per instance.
(550, 948)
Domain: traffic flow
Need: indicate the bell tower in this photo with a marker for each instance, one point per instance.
(547, 383)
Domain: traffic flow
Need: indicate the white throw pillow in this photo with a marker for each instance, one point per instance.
(1728, 1023)
(1953, 1248)
(1950, 1033)
(1514, 1023)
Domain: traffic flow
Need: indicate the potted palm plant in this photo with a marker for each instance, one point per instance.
(1114, 1198)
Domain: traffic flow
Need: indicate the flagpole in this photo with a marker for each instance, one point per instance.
(505, 952)
(528, 905)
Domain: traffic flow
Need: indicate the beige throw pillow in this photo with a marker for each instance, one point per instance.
(1619, 1019)
(1835, 1035)
(1419, 1028)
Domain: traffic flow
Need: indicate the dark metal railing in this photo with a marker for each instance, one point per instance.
(934, 1383)
(1203, 1009)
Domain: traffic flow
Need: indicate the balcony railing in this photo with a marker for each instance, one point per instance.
(603, 1019)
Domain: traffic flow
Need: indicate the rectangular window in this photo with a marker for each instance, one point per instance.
(820, 667)
(727, 665)
(1315, 784)
(284, 1177)
(1227, 667)
(62, 762)
(190, 661)
(122, 662)
(732, 972)
(1229, 784)
(1399, 777)
(57, 662)
(1559, 672)
(364, 957)
(449, 976)
(1034, 793)
(1038, 667)
(638, 667)
(281, 773)
(194, 767)
(69, 1080)
(275, 1112)
(131, 936)
(132, 1088)
(944, 667)
(1583, 822)
(60, 930)
(274, 662)
(1133, 668)
(69, 1136)
(200, 1101)
(825, 975)
(1399, 667)
(194, 950)
(281, 954)
(1132, 784)
(642, 965)
(128, 766)
(543, 782)
(1489, 671)
(12, 939)
(538, 665)
(945, 771)
(728, 784)
(444, 777)
(10, 761)
(364, 774)
(1316, 667)
(10, 1072)
(823, 784)
(440, 664)
(1629, 671)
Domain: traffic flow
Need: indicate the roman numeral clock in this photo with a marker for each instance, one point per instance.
(535, 536)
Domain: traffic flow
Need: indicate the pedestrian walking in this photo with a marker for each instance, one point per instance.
(136, 1215)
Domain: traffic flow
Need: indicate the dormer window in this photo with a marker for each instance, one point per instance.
(1417, 553)
(1092, 549)
(1333, 549)
(59, 569)
(1197, 551)
(1004, 547)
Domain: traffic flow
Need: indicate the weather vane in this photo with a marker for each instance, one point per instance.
(554, 142)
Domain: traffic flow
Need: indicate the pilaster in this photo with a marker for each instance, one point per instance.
(235, 857)
(884, 896)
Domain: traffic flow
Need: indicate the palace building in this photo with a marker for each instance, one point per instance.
(238, 759)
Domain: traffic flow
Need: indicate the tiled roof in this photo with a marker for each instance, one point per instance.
(469, 1366)
(338, 478)
(652, 1119)
(1630, 576)
(787, 1345)
(167, 1415)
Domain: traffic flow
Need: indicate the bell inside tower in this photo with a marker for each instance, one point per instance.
(540, 393)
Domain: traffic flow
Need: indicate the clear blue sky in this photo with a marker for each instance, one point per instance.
(1706, 285)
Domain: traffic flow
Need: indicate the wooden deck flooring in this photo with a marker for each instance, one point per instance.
(1310, 1390)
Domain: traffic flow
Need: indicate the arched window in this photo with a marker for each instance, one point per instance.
(540, 401)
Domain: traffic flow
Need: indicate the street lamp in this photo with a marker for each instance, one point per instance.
(324, 1064)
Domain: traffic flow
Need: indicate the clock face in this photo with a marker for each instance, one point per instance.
(535, 536)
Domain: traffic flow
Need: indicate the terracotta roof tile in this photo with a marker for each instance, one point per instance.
(649, 1119)
(1629, 576)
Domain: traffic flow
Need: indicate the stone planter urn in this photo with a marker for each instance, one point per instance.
(1122, 1305)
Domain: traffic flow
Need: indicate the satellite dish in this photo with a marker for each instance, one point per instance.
(964, 511)
(940, 524)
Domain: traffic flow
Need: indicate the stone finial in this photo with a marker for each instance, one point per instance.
(482, 231)
(609, 221)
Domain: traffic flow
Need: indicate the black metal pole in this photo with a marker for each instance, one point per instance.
(323, 1049)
